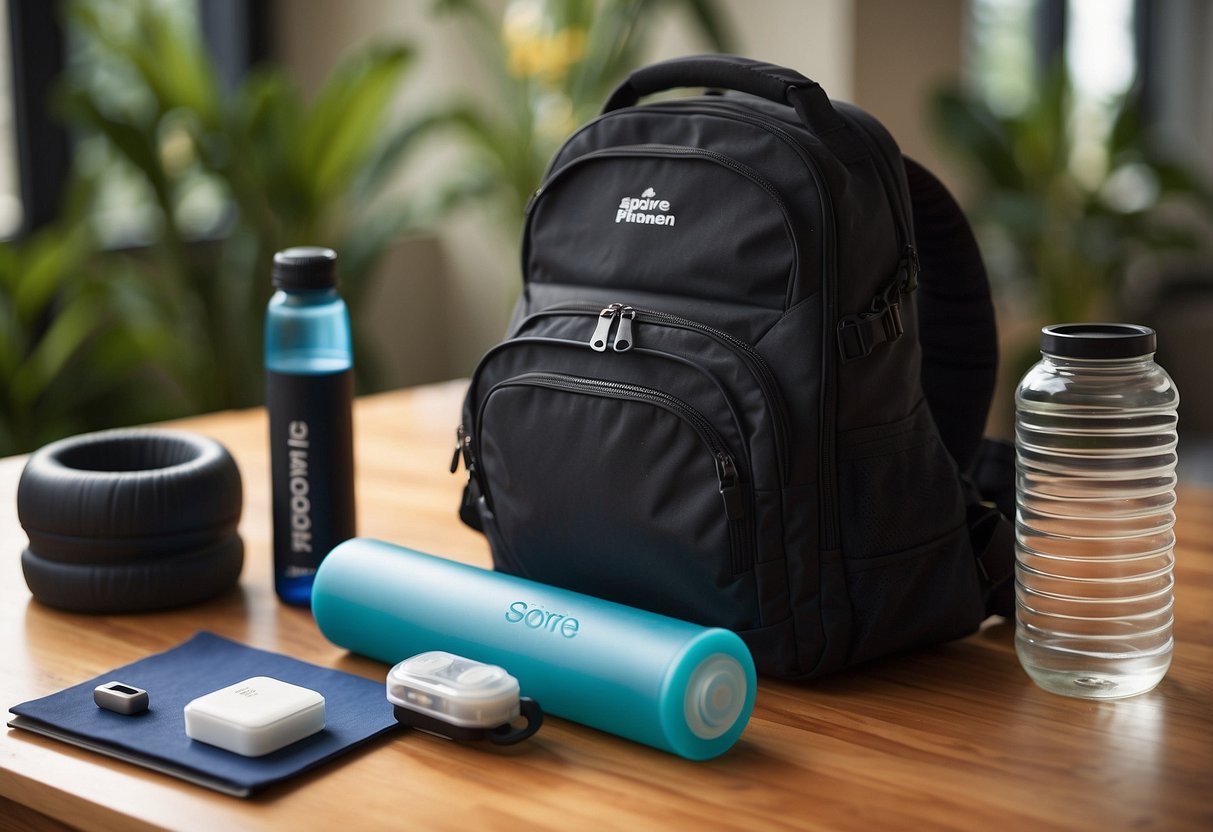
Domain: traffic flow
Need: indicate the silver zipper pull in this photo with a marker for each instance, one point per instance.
(598, 341)
(623, 336)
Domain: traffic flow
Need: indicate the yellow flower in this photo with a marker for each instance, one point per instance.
(533, 50)
(177, 152)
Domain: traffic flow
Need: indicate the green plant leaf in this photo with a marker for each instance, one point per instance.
(266, 116)
(136, 143)
(1175, 179)
(176, 66)
(610, 54)
(1126, 134)
(972, 129)
(48, 262)
(390, 151)
(341, 125)
(368, 240)
(13, 333)
(68, 332)
(1043, 136)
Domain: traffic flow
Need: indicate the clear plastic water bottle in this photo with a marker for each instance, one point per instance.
(1095, 495)
(309, 390)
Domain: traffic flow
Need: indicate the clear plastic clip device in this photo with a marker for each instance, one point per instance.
(459, 698)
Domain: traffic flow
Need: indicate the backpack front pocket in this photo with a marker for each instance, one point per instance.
(733, 366)
(620, 491)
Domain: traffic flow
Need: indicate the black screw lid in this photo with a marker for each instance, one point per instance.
(1097, 340)
(305, 267)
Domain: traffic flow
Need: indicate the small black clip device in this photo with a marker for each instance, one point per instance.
(462, 699)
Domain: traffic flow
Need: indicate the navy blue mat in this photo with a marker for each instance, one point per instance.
(356, 710)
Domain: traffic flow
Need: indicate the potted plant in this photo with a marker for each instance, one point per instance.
(287, 172)
(80, 341)
(1064, 239)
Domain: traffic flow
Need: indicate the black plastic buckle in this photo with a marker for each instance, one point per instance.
(851, 341)
(859, 334)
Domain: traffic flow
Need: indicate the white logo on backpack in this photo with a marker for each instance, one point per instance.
(645, 209)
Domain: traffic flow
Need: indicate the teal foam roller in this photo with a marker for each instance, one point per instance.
(660, 681)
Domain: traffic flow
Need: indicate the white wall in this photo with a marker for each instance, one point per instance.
(439, 308)
(903, 52)
(437, 303)
(814, 37)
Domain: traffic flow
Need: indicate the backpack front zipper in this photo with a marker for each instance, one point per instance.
(629, 317)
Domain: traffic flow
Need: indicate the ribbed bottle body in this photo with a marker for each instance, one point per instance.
(1095, 498)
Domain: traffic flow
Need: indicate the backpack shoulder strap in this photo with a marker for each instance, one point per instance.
(959, 338)
(956, 325)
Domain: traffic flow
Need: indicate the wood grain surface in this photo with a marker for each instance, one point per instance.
(953, 737)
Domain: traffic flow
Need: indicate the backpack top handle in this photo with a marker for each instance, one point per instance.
(769, 81)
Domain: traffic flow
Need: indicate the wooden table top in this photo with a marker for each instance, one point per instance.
(955, 736)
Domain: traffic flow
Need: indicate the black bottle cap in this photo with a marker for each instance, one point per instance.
(1097, 340)
(305, 267)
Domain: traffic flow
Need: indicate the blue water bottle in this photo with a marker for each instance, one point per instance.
(667, 683)
(309, 393)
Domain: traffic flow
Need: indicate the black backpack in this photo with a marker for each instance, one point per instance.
(746, 378)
